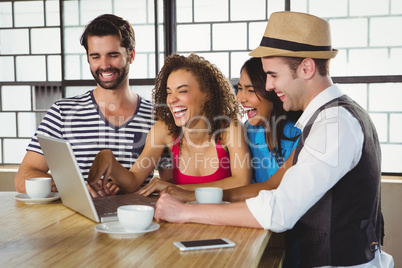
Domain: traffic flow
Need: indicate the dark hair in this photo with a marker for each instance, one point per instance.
(279, 116)
(322, 65)
(109, 24)
(221, 106)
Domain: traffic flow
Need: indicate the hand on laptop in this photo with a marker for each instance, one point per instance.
(155, 185)
(111, 189)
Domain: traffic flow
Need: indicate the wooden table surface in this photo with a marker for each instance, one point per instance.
(51, 235)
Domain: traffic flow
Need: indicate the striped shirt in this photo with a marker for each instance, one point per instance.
(80, 121)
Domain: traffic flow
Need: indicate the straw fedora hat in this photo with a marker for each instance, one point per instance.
(294, 34)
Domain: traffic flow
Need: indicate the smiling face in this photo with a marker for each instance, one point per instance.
(258, 109)
(288, 86)
(109, 61)
(184, 98)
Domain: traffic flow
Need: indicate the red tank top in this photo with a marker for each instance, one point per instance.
(222, 172)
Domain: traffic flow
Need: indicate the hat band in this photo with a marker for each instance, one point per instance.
(289, 45)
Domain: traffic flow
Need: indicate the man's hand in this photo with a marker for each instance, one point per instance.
(170, 209)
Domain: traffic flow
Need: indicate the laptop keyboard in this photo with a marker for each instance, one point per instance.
(107, 205)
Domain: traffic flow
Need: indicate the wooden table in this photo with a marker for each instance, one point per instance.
(51, 235)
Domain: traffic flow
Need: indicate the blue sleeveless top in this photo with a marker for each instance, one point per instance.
(264, 162)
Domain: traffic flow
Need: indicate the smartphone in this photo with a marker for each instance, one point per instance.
(204, 244)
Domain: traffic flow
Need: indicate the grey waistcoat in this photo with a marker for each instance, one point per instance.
(345, 226)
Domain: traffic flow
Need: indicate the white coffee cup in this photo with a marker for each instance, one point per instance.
(211, 195)
(38, 187)
(135, 217)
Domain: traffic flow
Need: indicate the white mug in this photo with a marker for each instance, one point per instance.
(135, 217)
(38, 187)
(211, 195)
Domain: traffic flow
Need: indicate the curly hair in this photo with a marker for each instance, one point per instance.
(221, 106)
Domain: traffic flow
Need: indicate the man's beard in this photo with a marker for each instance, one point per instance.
(115, 83)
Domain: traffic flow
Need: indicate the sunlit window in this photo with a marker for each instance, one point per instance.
(39, 57)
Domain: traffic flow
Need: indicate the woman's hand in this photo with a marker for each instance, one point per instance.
(101, 169)
(179, 193)
(113, 189)
(155, 185)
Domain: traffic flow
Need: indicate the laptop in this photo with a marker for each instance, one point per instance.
(72, 187)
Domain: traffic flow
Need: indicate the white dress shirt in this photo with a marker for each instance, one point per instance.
(333, 148)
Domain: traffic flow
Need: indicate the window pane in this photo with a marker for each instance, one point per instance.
(210, 10)
(6, 20)
(184, 11)
(139, 67)
(225, 39)
(380, 34)
(330, 8)
(10, 130)
(71, 14)
(14, 98)
(90, 9)
(237, 59)
(7, 67)
(29, 13)
(396, 7)
(371, 7)
(14, 150)
(221, 60)
(26, 124)
(193, 37)
(31, 68)
(359, 59)
(132, 12)
(381, 124)
(85, 70)
(395, 128)
(247, 10)
(355, 36)
(52, 13)
(45, 41)
(72, 68)
(145, 38)
(72, 40)
(385, 97)
(390, 162)
(256, 32)
(54, 68)
(14, 41)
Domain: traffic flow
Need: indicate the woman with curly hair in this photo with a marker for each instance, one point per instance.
(197, 120)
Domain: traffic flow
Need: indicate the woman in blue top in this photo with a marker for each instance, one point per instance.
(271, 134)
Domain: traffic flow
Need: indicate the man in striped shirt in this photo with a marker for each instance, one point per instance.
(109, 117)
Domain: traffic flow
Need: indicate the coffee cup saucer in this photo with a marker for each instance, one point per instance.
(116, 230)
(28, 200)
(195, 202)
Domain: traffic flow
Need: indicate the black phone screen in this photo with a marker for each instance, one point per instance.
(208, 242)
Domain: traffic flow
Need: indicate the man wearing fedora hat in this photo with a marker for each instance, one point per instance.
(331, 195)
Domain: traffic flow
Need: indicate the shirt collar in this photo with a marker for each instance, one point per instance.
(325, 96)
